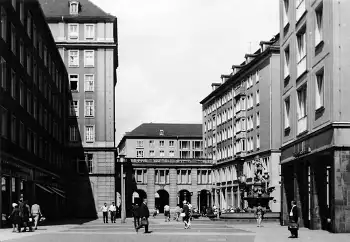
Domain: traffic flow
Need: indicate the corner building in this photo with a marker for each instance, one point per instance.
(34, 98)
(86, 37)
(241, 117)
(165, 164)
(315, 105)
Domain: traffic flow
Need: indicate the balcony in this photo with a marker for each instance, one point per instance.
(240, 91)
(301, 66)
(300, 10)
(241, 135)
(241, 154)
(302, 124)
(171, 160)
(241, 114)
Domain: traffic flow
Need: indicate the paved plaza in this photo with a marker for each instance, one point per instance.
(201, 231)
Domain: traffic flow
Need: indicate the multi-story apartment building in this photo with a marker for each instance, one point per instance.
(86, 37)
(166, 165)
(241, 117)
(34, 96)
(315, 97)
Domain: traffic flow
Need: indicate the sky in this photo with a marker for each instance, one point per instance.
(170, 51)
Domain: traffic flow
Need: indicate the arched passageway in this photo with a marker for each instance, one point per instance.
(184, 195)
(138, 196)
(161, 199)
(204, 200)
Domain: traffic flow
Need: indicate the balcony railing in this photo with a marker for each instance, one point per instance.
(300, 10)
(301, 66)
(241, 135)
(171, 160)
(239, 91)
(302, 124)
(241, 114)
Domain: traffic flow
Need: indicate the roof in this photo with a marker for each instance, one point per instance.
(170, 130)
(60, 9)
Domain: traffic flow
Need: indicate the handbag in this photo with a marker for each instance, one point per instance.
(182, 214)
(144, 221)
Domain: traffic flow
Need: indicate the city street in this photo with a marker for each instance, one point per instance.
(202, 230)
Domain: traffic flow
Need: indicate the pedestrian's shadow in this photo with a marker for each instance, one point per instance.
(149, 232)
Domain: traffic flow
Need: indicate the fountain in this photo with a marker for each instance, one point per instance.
(259, 192)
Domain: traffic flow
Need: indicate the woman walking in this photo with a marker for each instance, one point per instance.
(186, 213)
(15, 218)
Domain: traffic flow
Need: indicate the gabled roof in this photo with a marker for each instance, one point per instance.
(60, 9)
(153, 130)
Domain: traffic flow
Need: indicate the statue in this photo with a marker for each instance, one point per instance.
(258, 169)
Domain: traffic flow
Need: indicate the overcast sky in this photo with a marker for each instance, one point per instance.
(170, 51)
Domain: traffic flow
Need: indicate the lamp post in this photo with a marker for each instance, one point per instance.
(242, 185)
(122, 187)
(266, 178)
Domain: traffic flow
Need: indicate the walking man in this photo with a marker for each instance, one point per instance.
(113, 211)
(294, 220)
(36, 212)
(104, 210)
(144, 214)
(136, 214)
(167, 213)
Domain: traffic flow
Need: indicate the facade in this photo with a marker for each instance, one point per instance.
(315, 126)
(34, 98)
(166, 165)
(241, 117)
(86, 37)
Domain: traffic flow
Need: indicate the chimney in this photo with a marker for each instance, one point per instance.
(215, 85)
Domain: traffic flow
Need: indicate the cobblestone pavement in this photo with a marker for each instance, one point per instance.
(202, 230)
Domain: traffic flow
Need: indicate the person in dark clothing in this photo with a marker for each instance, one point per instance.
(144, 215)
(293, 226)
(186, 211)
(26, 216)
(15, 218)
(136, 214)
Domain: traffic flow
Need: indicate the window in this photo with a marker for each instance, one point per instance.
(90, 159)
(89, 58)
(301, 109)
(3, 122)
(89, 31)
(21, 11)
(257, 119)
(21, 52)
(151, 153)
(73, 133)
(89, 108)
(13, 39)
(161, 153)
(285, 12)
(29, 140)
(13, 84)
(74, 108)
(286, 112)
(171, 153)
(258, 141)
(171, 143)
(73, 58)
(35, 108)
(300, 4)
(319, 25)
(29, 24)
(257, 76)
(89, 133)
(14, 4)
(161, 143)
(73, 31)
(73, 7)
(151, 143)
(21, 93)
(3, 24)
(74, 82)
(139, 143)
(13, 129)
(286, 62)
(139, 153)
(29, 101)
(21, 135)
(45, 56)
(319, 102)
(29, 63)
(301, 51)
(89, 82)
(257, 97)
(35, 39)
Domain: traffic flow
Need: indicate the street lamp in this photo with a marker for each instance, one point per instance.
(122, 187)
(266, 178)
(242, 186)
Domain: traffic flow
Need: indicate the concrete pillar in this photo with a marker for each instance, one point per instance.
(299, 171)
(194, 187)
(216, 202)
(238, 198)
(173, 188)
(341, 204)
(275, 179)
(150, 189)
(315, 215)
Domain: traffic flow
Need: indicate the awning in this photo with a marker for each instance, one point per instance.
(44, 188)
(58, 190)
(58, 193)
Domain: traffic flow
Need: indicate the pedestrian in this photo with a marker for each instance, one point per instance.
(144, 215)
(104, 210)
(259, 213)
(15, 218)
(294, 220)
(26, 216)
(136, 215)
(113, 211)
(177, 212)
(186, 214)
(36, 213)
(167, 213)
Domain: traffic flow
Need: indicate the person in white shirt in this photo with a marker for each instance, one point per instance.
(113, 210)
(36, 212)
(167, 213)
(104, 210)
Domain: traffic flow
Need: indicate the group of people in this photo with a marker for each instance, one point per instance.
(112, 209)
(23, 216)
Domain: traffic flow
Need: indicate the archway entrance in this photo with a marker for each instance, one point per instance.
(204, 200)
(138, 196)
(161, 199)
(184, 195)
